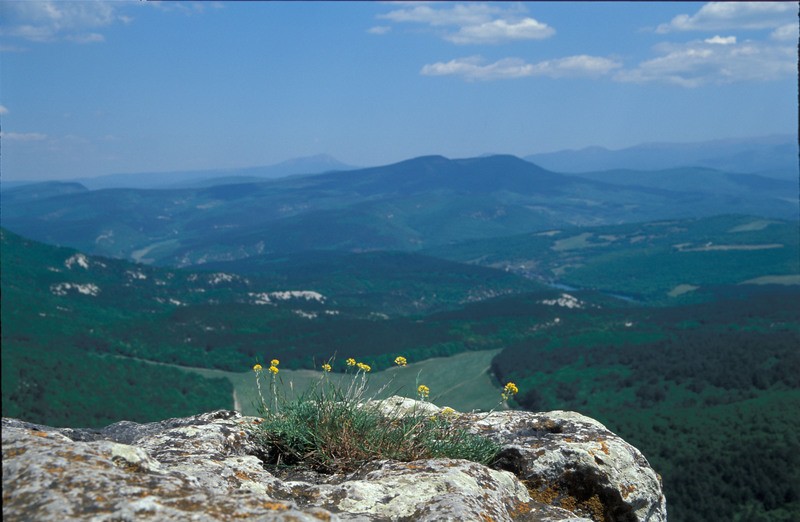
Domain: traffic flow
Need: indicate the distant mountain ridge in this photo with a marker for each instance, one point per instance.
(776, 156)
(405, 206)
(42, 190)
(316, 164)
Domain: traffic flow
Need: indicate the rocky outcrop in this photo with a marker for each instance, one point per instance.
(555, 466)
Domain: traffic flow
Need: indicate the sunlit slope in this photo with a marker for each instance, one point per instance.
(651, 261)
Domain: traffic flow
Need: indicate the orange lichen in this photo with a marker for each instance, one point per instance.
(274, 506)
(552, 495)
(594, 507)
(13, 452)
(519, 510)
(547, 495)
(241, 475)
(627, 490)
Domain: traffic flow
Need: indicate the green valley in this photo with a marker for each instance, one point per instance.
(660, 312)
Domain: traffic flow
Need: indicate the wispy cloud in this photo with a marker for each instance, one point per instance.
(720, 16)
(786, 33)
(186, 7)
(500, 30)
(721, 40)
(3, 110)
(23, 136)
(474, 23)
(47, 21)
(379, 29)
(81, 22)
(474, 68)
(714, 61)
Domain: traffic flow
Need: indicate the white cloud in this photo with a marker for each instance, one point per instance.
(717, 16)
(3, 109)
(474, 68)
(477, 23)
(786, 33)
(23, 136)
(721, 40)
(499, 30)
(458, 14)
(46, 21)
(379, 29)
(699, 63)
(577, 66)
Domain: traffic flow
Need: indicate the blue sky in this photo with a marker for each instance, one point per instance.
(93, 88)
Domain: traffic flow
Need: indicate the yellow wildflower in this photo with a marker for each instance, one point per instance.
(274, 362)
(326, 367)
(273, 370)
(400, 361)
(447, 411)
(364, 367)
(351, 362)
(509, 390)
(423, 391)
(257, 368)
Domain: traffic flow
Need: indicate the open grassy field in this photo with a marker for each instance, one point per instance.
(461, 381)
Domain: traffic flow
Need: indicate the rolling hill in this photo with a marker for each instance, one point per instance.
(407, 206)
(652, 261)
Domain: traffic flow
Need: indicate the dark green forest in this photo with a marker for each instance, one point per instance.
(709, 392)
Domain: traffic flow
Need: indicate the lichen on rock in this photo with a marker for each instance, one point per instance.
(556, 466)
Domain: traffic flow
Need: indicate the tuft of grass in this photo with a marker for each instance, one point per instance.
(331, 428)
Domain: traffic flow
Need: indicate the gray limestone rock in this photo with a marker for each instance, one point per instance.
(574, 461)
(556, 466)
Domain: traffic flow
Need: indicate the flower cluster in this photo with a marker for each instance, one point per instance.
(447, 411)
(273, 367)
(423, 391)
(509, 390)
(336, 428)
